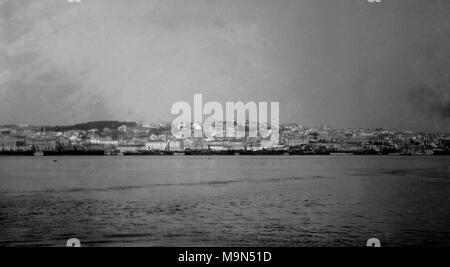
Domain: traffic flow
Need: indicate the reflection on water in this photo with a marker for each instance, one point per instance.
(225, 201)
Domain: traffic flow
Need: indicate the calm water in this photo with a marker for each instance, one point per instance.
(225, 201)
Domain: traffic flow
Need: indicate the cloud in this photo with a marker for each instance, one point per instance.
(48, 97)
(15, 22)
(34, 88)
(329, 62)
(434, 101)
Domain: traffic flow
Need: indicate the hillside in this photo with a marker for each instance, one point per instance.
(92, 125)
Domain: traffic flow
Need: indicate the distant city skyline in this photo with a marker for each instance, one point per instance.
(348, 64)
(146, 124)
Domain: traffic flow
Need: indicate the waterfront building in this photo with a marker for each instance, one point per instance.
(176, 145)
(237, 145)
(444, 141)
(43, 143)
(6, 132)
(105, 141)
(9, 143)
(297, 142)
(156, 145)
(217, 146)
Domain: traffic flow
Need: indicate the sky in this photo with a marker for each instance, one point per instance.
(346, 63)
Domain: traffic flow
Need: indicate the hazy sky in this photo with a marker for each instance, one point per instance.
(345, 63)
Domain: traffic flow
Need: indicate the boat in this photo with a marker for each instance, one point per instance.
(367, 152)
(263, 152)
(441, 152)
(156, 153)
(209, 153)
(341, 153)
(148, 153)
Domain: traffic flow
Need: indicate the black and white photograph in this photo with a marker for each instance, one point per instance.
(225, 124)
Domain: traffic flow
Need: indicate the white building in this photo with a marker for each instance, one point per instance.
(156, 145)
(176, 145)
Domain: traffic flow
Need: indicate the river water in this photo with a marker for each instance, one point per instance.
(225, 200)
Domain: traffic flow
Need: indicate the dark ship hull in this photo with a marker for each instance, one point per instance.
(263, 153)
(441, 152)
(209, 153)
(148, 153)
(367, 153)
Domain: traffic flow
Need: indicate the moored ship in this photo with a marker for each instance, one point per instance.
(441, 152)
(263, 152)
(209, 152)
(148, 153)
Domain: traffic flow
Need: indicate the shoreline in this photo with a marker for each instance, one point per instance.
(217, 154)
